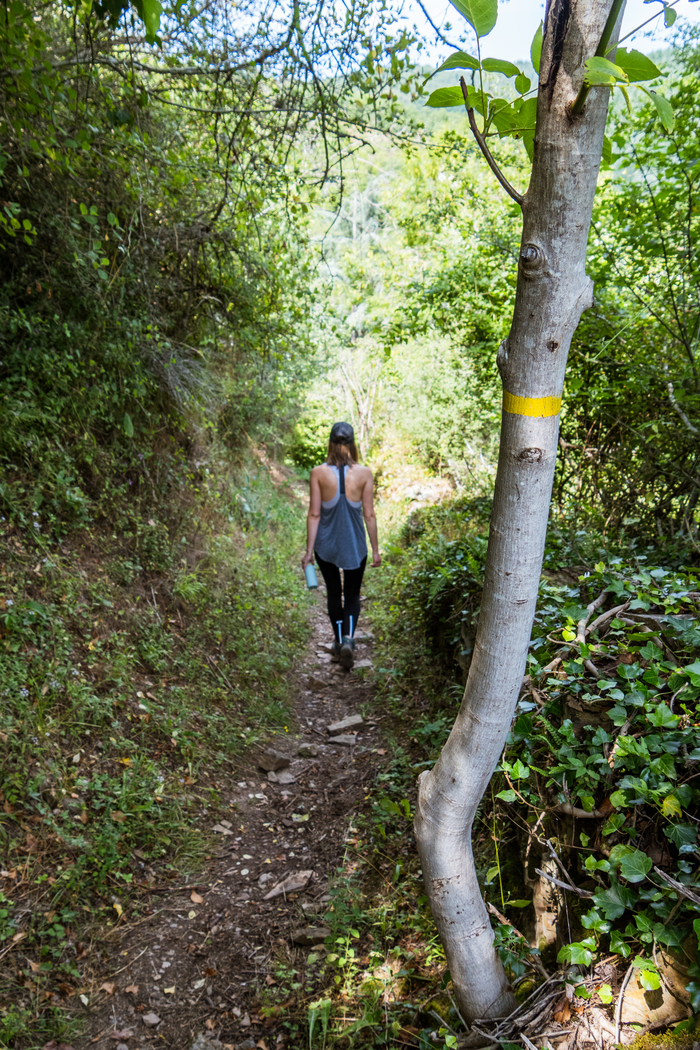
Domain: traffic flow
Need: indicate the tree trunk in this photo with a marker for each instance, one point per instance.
(553, 290)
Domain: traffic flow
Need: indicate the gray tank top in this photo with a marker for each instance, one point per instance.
(341, 536)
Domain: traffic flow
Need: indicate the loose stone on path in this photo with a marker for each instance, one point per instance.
(349, 722)
(273, 760)
(292, 884)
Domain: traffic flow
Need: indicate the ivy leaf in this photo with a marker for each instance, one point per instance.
(499, 65)
(647, 973)
(618, 945)
(536, 49)
(481, 14)
(447, 96)
(605, 993)
(580, 953)
(459, 60)
(663, 717)
(614, 902)
(507, 796)
(635, 866)
(671, 807)
(684, 836)
(693, 990)
(636, 65)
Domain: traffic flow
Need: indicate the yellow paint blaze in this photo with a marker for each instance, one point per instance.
(531, 406)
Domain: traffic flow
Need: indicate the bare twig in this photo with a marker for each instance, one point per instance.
(618, 1007)
(481, 142)
(678, 886)
(536, 961)
(576, 811)
(563, 885)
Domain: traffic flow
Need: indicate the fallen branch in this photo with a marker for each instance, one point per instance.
(609, 615)
(590, 609)
(590, 666)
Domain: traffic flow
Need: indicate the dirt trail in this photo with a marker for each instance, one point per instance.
(190, 972)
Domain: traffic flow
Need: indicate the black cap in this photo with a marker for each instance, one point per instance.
(342, 434)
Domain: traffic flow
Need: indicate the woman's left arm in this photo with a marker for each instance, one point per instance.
(371, 519)
(312, 518)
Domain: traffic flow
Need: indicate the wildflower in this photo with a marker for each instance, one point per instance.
(24, 692)
(9, 602)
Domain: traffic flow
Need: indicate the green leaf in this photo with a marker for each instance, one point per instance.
(149, 11)
(481, 14)
(522, 84)
(614, 902)
(636, 65)
(671, 807)
(447, 96)
(536, 49)
(499, 65)
(663, 717)
(459, 60)
(669, 16)
(605, 994)
(664, 110)
(607, 150)
(647, 973)
(693, 990)
(507, 796)
(601, 71)
(635, 866)
(128, 425)
(618, 945)
(491, 874)
(518, 904)
(684, 836)
(580, 953)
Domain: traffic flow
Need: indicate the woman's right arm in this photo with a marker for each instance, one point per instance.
(313, 517)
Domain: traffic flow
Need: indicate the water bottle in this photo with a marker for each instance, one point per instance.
(311, 580)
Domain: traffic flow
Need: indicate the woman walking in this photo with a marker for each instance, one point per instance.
(341, 495)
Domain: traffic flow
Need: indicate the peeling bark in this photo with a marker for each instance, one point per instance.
(553, 290)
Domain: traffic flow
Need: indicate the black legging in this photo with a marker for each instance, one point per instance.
(346, 613)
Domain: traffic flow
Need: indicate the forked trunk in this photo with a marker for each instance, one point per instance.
(552, 293)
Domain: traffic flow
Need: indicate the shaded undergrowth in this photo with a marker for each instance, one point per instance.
(139, 655)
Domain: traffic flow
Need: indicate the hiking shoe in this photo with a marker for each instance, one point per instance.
(335, 653)
(347, 652)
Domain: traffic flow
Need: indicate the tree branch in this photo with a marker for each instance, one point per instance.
(481, 142)
(601, 51)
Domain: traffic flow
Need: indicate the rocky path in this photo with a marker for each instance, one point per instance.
(209, 963)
